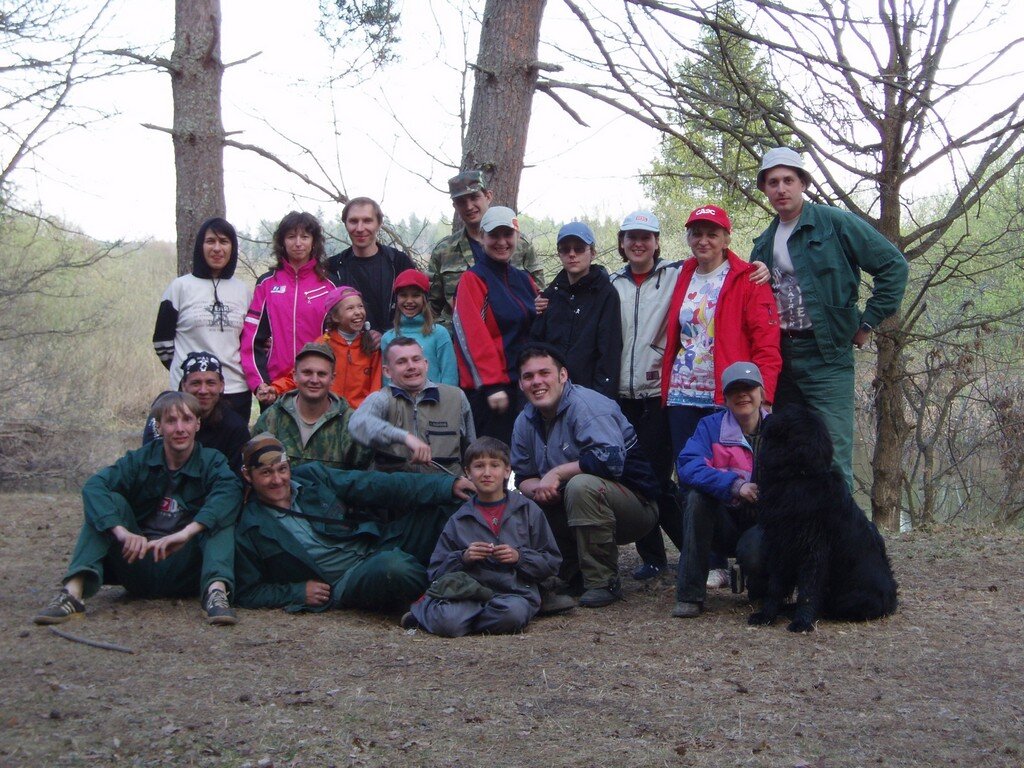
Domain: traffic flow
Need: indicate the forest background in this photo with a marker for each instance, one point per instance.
(323, 101)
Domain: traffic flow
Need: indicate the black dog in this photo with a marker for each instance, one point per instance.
(815, 537)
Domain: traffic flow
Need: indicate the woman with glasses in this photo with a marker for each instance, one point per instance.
(582, 317)
(204, 312)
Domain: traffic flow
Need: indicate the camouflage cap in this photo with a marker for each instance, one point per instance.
(466, 183)
(316, 348)
(263, 450)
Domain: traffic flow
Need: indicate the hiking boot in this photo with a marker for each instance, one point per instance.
(408, 621)
(718, 578)
(684, 610)
(598, 597)
(218, 610)
(552, 602)
(648, 571)
(63, 607)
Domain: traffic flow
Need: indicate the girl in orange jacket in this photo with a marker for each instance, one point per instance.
(357, 366)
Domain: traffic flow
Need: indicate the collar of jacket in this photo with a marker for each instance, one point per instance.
(336, 407)
(155, 458)
(660, 265)
(589, 282)
(730, 432)
(535, 416)
(429, 393)
(810, 218)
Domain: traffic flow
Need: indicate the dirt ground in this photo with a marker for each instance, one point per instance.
(937, 684)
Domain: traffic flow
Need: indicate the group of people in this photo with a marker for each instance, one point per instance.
(395, 406)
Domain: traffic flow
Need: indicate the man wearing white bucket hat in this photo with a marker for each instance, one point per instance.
(815, 254)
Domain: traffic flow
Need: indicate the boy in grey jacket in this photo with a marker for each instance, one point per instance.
(490, 557)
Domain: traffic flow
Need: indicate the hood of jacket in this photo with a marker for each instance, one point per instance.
(199, 266)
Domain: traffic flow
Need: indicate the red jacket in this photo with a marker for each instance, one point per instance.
(746, 327)
(492, 319)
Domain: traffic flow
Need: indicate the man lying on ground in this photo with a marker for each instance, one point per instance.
(313, 538)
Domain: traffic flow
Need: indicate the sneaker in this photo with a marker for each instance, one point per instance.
(408, 621)
(598, 597)
(687, 610)
(218, 610)
(718, 578)
(63, 607)
(648, 571)
(552, 603)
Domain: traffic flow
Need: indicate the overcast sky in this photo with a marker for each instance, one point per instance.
(116, 179)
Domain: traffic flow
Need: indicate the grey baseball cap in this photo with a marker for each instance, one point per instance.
(645, 221)
(499, 216)
(741, 373)
(782, 156)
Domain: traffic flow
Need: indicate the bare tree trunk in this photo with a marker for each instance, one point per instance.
(198, 132)
(506, 75)
(892, 431)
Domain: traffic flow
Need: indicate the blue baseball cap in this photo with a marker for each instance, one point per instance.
(576, 229)
(642, 220)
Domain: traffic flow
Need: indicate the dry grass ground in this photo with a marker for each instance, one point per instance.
(937, 684)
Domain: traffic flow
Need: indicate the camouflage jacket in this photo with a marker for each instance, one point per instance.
(331, 443)
(453, 255)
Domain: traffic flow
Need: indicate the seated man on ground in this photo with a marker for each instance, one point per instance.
(491, 556)
(312, 422)
(315, 538)
(716, 464)
(159, 522)
(220, 427)
(577, 456)
(413, 424)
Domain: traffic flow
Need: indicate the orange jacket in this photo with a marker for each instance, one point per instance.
(356, 374)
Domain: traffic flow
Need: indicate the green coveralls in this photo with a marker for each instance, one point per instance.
(829, 248)
(373, 565)
(127, 492)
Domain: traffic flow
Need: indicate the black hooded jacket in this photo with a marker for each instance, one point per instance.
(582, 321)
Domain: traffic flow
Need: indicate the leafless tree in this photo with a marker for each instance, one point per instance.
(880, 99)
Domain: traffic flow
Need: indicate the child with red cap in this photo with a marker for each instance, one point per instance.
(415, 320)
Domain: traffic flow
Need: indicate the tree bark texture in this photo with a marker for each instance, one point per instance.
(506, 75)
(198, 133)
(892, 428)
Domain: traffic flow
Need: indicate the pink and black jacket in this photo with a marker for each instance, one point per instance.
(717, 460)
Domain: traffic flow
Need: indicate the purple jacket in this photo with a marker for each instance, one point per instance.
(716, 457)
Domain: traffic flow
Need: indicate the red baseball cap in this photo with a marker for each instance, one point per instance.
(411, 278)
(711, 213)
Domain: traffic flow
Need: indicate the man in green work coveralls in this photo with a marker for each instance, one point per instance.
(314, 538)
(459, 251)
(814, 256)
(159, 522)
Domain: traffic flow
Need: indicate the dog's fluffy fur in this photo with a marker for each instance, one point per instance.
(816, 538)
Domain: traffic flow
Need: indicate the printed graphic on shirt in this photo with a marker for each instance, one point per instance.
(692, 380)
(792, 311)
(213, 315)
(220, 316)
(170, 516)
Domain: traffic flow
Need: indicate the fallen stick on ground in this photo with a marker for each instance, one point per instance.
(92, 643)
